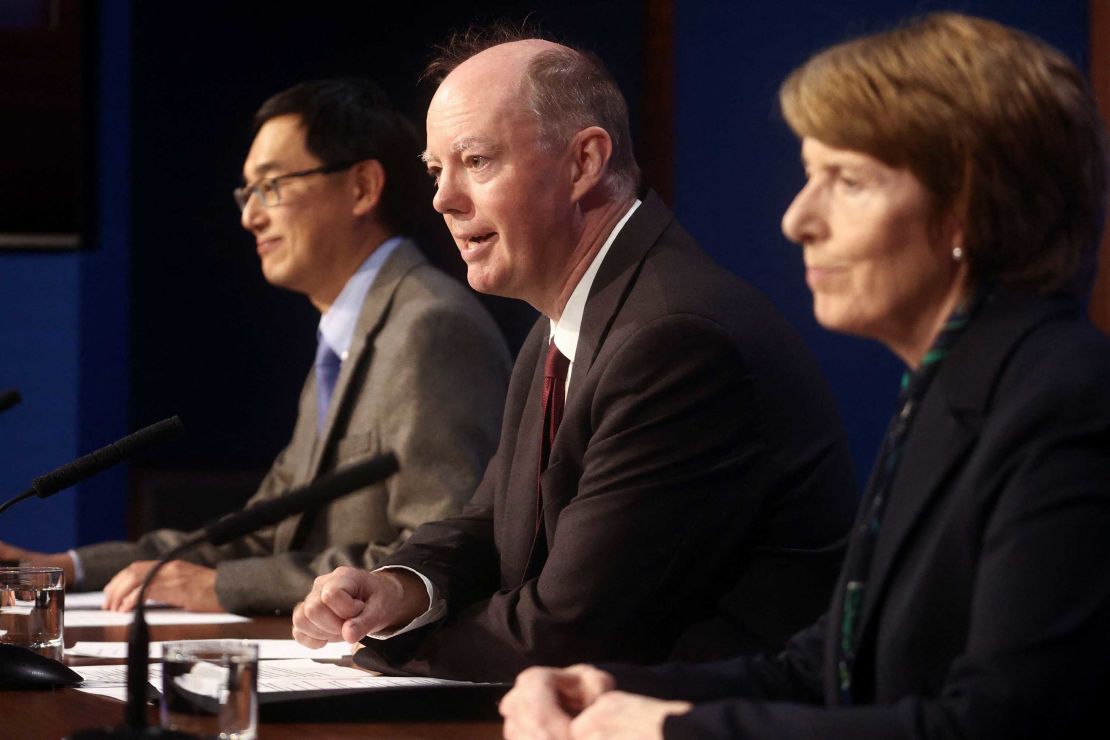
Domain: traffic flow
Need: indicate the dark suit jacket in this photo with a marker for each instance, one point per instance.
(697, 493)
(989, 610)
(420, 337)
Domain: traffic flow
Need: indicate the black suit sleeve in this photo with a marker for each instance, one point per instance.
(793, 674)
(660, 496)
(1037, 653)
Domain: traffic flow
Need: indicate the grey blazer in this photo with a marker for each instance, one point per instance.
(425, 377)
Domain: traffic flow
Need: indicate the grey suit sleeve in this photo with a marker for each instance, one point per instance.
(447, 370)
(103, 560)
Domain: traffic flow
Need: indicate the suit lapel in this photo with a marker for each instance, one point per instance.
(612, 284)
(520, 546)
(615, 278)
(947, 425)
(920, 483)
(375, 310)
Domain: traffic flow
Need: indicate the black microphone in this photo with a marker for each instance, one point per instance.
(22, 667)
(9, 398)
(324, 490)
(105, 457)
(94, 462)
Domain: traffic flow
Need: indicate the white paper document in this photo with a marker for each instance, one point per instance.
(95, 600)
(103, 680)
(86, 600)
(274, 676)
(98, 618)
(267, 650)
(18, 611)
(306, 675)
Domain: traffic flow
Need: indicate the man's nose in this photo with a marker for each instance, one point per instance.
(253, 215)
(450, 196)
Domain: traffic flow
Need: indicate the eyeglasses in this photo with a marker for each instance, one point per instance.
(268, 190)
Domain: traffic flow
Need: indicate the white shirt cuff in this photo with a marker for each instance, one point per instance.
(78, 571)
(437, 608)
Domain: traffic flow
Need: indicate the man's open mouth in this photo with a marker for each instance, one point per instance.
(477, 241)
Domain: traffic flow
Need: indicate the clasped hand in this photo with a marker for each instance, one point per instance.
(580, 703)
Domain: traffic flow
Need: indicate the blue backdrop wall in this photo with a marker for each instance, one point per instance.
(738, 165)
(128, 331)
(64, 328)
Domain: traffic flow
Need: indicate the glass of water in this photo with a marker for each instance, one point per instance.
(210, 688)
(32, 601)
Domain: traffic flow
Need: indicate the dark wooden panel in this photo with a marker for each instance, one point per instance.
(57, 713)
(656, 147)
(41, 122)
(1100, 81)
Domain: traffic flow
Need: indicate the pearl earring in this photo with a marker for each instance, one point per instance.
(957, 254)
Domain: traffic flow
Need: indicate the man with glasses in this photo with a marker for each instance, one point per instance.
(407, 360)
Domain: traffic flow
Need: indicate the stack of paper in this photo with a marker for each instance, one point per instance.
(274, 677)
(84, 610)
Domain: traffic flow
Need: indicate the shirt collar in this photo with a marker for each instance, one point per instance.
(565, 332)
(337, 324)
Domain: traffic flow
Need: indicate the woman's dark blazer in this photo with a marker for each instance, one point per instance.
(988, 614)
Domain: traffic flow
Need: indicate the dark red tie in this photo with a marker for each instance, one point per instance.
(554, 385)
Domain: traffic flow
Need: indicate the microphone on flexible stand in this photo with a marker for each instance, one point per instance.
(9, 398)
(85, 467)
(326, 489)
(21, 667)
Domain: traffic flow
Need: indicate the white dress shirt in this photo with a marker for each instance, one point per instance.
(564, 333)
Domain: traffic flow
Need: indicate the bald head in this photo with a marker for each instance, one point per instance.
(493, 78)
(510, 58)
(523, 171)
(566, 90)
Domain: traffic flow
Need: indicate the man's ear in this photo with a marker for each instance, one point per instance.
(590, 151)
(368, 183)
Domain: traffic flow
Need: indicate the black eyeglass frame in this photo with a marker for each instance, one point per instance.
(268, 189)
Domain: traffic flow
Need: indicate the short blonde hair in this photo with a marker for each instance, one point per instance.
(1000, 128)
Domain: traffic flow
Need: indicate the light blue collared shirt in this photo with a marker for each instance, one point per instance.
(337, 324)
